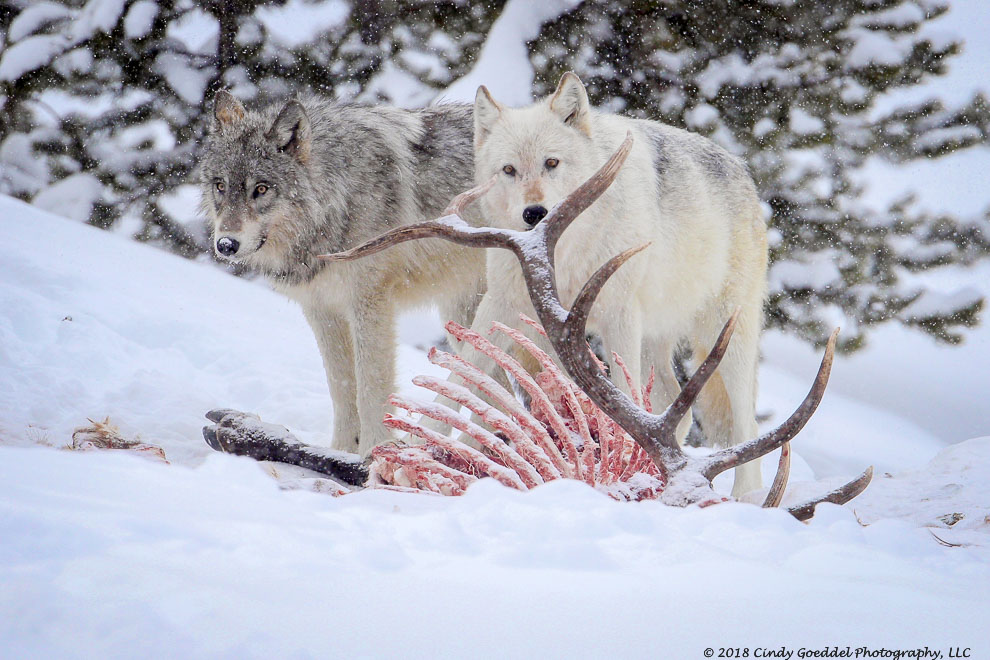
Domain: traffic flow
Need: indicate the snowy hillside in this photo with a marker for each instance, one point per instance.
(106, 554)
(113, 554)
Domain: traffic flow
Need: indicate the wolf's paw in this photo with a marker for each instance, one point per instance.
(348, 444)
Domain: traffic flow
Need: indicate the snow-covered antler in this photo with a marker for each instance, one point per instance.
(687, 479)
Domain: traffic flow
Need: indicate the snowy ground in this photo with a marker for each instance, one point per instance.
(106, 554)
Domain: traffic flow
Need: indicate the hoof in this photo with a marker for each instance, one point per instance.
(210, 435)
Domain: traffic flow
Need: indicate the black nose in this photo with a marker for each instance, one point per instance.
(227, 246)
(533, 214)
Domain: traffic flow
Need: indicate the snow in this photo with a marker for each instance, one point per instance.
(140, 19)
(72, 196)
(118, 556)
(819, 273)
(76, 61)
(804, 123)
(701, 116)
(903, 17)
(187, 81)
(764, 127)
(870, 48)
(892, 495)
(196, 30)
(182, 205)
(98, 325)
(968, 20)
(59, 104)
(931, 304)
(36, 51)
(503, 65)
(954, 135)
(30, 54)
(156, 133)
(939, 388)
(297, 22)
(950, 184)
(35, 17)
(846, 434)
(399, 86)
(731, 69)
(20, 171)
(108, 554)
(96, 16)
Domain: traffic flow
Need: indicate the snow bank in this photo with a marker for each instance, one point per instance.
(113, 556)
(94, 324)
(961, 500)
(106, 554)
(939, 388)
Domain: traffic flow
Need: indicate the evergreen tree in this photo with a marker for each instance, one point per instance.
(793, 88)
(113, 95)
(106, 101)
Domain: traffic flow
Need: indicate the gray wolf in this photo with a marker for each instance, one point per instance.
(283, 184)
(690, 199)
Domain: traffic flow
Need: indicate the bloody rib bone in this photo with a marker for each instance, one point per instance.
(633, 477)
(688, 479)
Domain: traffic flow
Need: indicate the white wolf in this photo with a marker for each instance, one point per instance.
(690, 199)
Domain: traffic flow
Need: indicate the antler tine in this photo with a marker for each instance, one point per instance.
(840, 495)
(776, 492)
(561, 216)
(675, 411)
(733, 456)
(450, 227)
(577, 318)
(386, 240)
(468, 197)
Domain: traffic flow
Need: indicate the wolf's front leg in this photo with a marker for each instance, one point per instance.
(658, 354)
(492, 308)
(621, 330)
(495, 306)
(333, 337)
(460, 309)
(373, 336)
(727, 403)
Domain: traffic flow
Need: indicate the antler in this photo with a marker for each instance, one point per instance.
(689, 478)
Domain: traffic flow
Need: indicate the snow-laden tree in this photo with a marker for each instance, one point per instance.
(796, 89)
(105, 101)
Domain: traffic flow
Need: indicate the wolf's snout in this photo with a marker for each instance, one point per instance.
(227, 246)
(533, 214)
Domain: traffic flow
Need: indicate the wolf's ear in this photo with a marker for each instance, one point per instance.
(291, 131)
(486, 112)
(570, 103)
(227, 110)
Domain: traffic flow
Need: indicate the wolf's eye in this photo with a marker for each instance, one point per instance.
(260, 189)
(510, 170)
(220, 186)
(551, 163)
